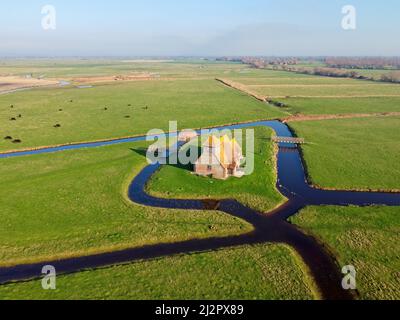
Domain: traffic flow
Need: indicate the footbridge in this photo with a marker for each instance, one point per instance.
(288, 140)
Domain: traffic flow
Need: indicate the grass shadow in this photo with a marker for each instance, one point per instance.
(187, 167)
(140, 151)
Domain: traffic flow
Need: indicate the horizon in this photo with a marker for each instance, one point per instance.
(178, 57)
(198, 29)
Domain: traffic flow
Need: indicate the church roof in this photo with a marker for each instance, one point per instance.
(224, 151)
(212, 142)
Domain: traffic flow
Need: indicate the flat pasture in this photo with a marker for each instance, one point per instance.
(366, 238)
(43, 117)
(356, 154)
(75, 203)
(250, 272)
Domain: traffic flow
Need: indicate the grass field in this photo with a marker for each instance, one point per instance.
(281, 78)
(256, 190)
(318, 87)
(259, 76)
(352, 153)
(349, 88)
(71, 68)
(342, 105)
(307, 94)
(74, 203)
(283, 84)
(259, 272)
(367, 238)
(132, 108)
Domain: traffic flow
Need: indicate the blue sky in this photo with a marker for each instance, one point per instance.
(199, 27)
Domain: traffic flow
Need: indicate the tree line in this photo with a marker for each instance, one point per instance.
(335, 67)
(393, 76)
(363, 62)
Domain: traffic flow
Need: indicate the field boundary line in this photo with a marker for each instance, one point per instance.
(338, 96)
(286, 85)
(242, 88)
(299, 118)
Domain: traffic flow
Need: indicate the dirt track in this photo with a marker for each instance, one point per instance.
(100, 79)
(12, 83)
(242, 88)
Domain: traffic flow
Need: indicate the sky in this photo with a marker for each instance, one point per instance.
(199, 28)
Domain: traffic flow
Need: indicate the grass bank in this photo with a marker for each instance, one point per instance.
(260, 272)
(75, 203)
(342, 105)
(367, 238)
(352, 154)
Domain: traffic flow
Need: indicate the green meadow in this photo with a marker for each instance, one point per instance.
(291, 79)
(367, 238)
(308, 94)
(275, 83)
(347, 89)
(75, 203)
(262, 76)
(119, 110)
(342, 105)
(249, 272)
(352, 153)
(71, 68)
(257, 190)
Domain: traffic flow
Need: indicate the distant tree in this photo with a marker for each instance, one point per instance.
(391, 77)
(363, 62)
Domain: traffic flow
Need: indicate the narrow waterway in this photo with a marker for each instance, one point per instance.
(268, 228)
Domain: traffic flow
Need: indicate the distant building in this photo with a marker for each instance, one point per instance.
(221, 158)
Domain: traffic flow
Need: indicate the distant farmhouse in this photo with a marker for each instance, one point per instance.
(221, 158)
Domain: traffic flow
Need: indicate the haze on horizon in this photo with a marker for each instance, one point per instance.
(199, 28)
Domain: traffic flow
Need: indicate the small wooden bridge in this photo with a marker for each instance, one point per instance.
(288, 140)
